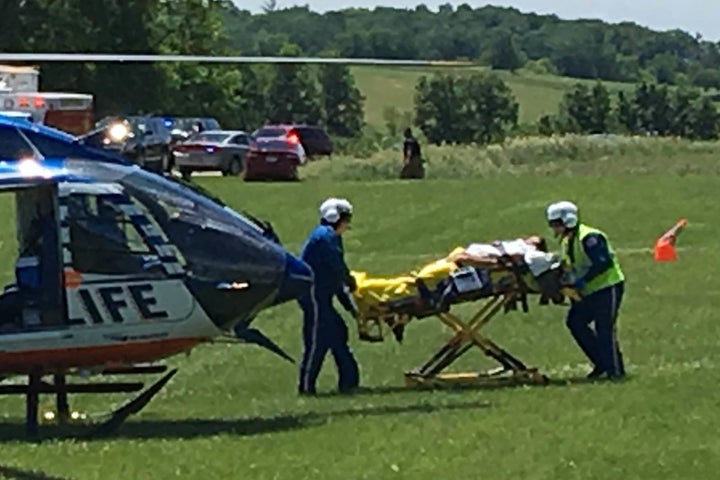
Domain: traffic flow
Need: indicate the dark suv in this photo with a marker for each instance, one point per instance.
(147, 143)
(315, 140)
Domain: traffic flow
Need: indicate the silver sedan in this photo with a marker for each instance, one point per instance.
(213, 150)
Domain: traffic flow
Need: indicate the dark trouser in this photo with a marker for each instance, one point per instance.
(324, 330)
(601, 345)
(413, 169)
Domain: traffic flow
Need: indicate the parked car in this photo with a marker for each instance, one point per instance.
(314, 139)
(214, 150)
(273, 158)
(184, 127)
(144, 140)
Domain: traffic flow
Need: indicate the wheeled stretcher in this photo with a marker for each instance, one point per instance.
(500, 284)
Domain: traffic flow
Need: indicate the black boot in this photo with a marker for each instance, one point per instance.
(399, 332)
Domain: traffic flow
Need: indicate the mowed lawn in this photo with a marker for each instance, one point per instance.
(232, 412)
(395, 87)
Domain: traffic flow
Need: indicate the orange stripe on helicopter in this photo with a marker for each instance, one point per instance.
(72, 278)
(60, 359)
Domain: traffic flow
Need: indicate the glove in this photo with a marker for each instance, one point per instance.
(351, 283)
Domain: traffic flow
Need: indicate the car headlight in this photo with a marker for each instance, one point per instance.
(118, 132)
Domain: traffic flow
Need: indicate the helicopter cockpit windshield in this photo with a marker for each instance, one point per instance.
(215, 241)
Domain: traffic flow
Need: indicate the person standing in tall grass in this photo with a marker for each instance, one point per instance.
(412, 158)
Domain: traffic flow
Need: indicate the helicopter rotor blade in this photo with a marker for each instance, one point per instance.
(121, 58)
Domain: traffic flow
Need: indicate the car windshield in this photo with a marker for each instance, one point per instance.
(270, 133)
(275, 145)
(209, 137)
(137, 124)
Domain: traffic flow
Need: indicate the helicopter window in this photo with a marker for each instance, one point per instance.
(50, 147)
(12, 145)
(103, 239)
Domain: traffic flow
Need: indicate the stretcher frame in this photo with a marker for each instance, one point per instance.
(468, 335)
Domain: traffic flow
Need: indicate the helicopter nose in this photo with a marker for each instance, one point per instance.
(297, 280)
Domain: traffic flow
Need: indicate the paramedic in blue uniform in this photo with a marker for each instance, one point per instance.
(323, 328)
(598, 277)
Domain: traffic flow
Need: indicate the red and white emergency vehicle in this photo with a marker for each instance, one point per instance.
(70, 112)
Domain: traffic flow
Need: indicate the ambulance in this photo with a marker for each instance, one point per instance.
(70, 112)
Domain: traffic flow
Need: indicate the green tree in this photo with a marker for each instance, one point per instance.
(490, 108)
(503, 53)
(293, 93)
(707, 78)
(252, 96)
(704, 120)
(683, 104)
(586, 110)
(195, 27)
(601, 109)
(546, 125)
(465, 109)
(342, 100)
(437, 108)
(664, 66)
(626, 113)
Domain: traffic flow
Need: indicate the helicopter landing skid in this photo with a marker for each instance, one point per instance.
(60, 388)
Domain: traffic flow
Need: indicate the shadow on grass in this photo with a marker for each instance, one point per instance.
(459, 387)
(196, 428)
(12, 473)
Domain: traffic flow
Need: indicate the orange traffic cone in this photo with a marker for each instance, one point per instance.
(665, 246)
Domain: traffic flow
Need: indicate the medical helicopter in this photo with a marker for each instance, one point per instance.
(119, 267)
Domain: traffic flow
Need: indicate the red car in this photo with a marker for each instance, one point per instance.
(274, 158)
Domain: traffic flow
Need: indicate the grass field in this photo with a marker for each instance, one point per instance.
(232, 411)
(395, 87)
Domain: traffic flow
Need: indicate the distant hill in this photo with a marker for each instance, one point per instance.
(394, 88)
(503, 38)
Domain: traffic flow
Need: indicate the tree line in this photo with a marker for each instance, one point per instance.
(457, 109)
(503, 38)
(241, 96)
(482, 109)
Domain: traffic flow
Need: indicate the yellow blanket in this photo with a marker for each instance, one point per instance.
(390, 288)
(372, 291)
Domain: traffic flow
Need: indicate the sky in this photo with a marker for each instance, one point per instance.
(693, 16)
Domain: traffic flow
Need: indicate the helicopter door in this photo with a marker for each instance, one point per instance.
(119, 267)
(38, 290)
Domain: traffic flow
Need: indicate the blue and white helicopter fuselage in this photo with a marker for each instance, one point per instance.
(118, 266)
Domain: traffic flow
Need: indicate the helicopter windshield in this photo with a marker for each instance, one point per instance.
(194, 223)
(178, 198)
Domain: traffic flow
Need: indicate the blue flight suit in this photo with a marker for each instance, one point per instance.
(323, 327)
(602, 307)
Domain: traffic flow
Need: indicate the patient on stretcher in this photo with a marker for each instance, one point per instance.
(466, 274)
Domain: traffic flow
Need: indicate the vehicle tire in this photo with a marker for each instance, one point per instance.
(165, 162)
(141, 159)
(294, 176)
(186, 173)
(234, 168)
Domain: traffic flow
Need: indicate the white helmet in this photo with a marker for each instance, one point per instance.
(566, 212)
(333, 209)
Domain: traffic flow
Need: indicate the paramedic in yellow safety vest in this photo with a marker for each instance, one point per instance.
(600, 280)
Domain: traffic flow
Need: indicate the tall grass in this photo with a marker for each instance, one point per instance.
(559, 155)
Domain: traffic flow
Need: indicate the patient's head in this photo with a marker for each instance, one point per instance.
(537, 242)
